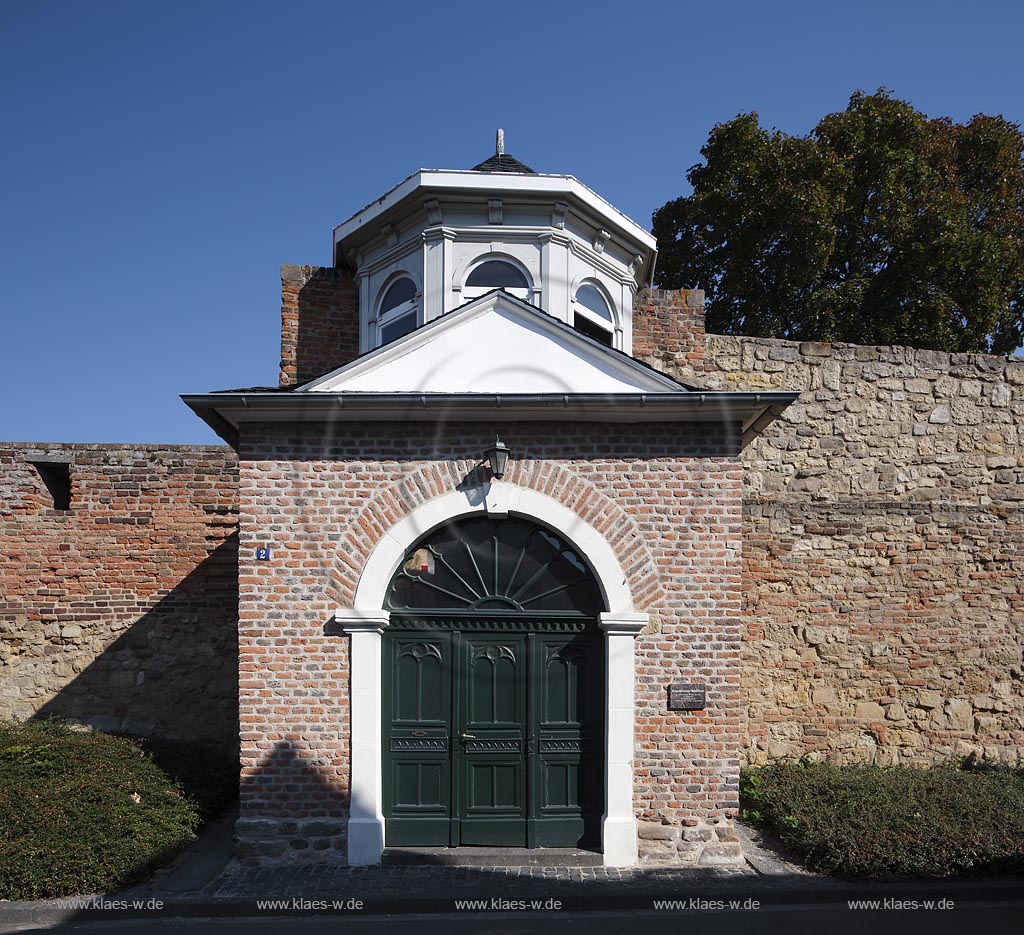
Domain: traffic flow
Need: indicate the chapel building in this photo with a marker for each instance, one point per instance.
(489, 561)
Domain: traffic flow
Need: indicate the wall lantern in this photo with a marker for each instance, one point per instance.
(497, 457)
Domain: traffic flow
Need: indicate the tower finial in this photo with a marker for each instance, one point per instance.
(499, 143)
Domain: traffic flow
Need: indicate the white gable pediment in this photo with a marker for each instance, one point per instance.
(496, 344)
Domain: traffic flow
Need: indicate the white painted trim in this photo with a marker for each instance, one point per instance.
(618, 829)
(366, 622)
(366, 794)
(431, 180)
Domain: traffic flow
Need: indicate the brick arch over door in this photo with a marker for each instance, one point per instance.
(365, 620)
(594, 508)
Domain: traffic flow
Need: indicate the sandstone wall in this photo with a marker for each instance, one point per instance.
(883, 552)
(120, 611)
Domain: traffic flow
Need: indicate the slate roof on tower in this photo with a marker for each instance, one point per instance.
(502, 162)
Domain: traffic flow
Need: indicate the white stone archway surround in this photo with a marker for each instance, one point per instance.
(365, 623)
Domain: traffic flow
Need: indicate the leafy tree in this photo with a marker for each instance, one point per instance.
(880, 227)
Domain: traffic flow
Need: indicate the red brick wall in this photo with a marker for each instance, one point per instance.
(319, 321)
(120, 612)
(667, 498)
(668, 330)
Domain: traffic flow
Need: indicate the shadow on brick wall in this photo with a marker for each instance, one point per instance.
(172, 674)
(294, 807)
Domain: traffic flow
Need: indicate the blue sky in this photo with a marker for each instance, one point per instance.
(160, 161)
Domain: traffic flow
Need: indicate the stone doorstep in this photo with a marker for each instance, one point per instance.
(556, 857)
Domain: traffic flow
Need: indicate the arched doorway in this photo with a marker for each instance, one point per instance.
(493, 690)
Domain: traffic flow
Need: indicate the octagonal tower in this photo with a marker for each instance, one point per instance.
(443, 237)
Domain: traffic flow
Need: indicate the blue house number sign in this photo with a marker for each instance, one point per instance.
(262, 554)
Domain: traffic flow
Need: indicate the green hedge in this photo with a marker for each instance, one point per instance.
(897, 822)
(205, 773)
(83, 812)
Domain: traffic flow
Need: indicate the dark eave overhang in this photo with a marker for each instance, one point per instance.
(226, 412)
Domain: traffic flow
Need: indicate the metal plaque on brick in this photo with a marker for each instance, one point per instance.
(686, 696)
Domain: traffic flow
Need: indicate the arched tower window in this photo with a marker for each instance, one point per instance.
(398, 312)
(496, 274)
(592, 314)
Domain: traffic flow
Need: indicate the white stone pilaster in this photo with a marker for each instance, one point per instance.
(618, 830)
(366, 815)
(437, 272)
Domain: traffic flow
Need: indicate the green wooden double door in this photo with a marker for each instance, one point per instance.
(493, 738)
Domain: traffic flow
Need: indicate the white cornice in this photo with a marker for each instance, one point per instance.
(432, 181)
(618, 272)
(398, 252)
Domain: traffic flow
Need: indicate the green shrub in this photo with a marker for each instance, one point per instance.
(896, 822)
(82, 812)
(205, 773)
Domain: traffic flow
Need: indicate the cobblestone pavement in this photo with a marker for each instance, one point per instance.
(230, 881)
(444, 882)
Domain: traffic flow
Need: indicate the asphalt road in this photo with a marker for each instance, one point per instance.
(813, 920)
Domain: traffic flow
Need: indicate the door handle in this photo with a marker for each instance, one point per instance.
(467, 736)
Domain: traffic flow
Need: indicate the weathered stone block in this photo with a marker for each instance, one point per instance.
(815, 349)
(724, 854)
(895, 712)
(727, 834)
(320, 828)
(870, 711)
(122, 678)
(698, 834)
(960, 714)
(271, 848)
(1000, 396)
(656, 831)
(256, 828)
(929, 699)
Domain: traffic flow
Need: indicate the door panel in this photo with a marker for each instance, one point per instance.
(568, 773)
(493, 699)
(493, 738)
(417, 715)
(490, 762)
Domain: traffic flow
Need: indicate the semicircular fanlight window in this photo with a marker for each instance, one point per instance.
(494, 566)
(398, 293)
(496, 274)
(590, 298)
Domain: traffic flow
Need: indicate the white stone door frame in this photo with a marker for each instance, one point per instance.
(365, 623)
